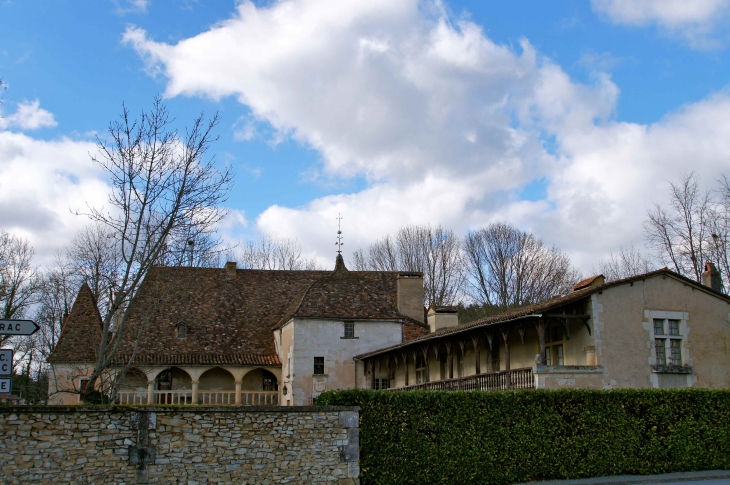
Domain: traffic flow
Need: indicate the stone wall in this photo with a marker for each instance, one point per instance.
(178, 445)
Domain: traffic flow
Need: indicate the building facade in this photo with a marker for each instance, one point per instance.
(236, 337)
(657, 330)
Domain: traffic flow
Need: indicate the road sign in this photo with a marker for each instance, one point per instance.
(18, 327)
(6, 362)
(6, 385)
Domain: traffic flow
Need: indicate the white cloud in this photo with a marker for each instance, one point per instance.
(131, 6)
(41, 182)
(695, 20)
(444, 124)
(28, 116)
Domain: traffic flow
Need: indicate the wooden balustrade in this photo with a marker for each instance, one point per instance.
(493, 381)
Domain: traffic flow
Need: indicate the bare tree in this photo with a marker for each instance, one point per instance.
(629, 261)
(59, 288)
(162, 183)
(272, 253)
(94, 257)
(198, 246)
(434, 251)
(681, 233)
(510, 268)
(719, 248)
(19, 280)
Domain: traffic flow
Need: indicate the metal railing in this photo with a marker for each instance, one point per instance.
(493, 381)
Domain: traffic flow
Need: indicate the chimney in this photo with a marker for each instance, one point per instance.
(231, 269)
(410, 295)
(711, 277)
(442, 317)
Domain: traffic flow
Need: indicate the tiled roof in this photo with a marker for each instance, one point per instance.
(197, 359)
(223, 316)
(81, 332)
(228, 320)
(357, 295)
(586, 282)
(541, 307)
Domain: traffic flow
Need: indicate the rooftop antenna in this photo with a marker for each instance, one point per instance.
(339, 242)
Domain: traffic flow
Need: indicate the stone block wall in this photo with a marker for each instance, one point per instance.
(178, 445)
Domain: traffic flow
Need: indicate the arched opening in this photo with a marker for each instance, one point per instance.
(260, 380)
(216, 386)
(173, 386)
(217, 379)
(133, 388)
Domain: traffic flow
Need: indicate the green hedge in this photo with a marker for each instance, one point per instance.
(434, 437)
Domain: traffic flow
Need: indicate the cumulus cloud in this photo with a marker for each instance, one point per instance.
(445, 125)
(28, 116)
(695, 21)
(41, 182)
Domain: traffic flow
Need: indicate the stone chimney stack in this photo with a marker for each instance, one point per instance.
(711, 277)
(442, 317)
(231, 269)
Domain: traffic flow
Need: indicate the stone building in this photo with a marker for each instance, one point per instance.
(220, 336)
(232, 336)
(657, 329)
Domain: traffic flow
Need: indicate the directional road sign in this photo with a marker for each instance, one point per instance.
(6, 385)
(18, 327)
(6, 362)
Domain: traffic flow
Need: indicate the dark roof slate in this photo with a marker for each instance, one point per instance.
(357, 295)
(81, 331)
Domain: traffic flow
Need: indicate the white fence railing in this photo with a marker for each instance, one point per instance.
(223, 398)
(226, 398)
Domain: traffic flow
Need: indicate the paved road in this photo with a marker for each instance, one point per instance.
(712, 477)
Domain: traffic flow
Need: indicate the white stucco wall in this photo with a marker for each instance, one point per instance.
(302, 340)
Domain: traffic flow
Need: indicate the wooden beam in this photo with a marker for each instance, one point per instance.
(540, 325)
(505, 336)
(477, 357)
(449, 360)
(521, 327)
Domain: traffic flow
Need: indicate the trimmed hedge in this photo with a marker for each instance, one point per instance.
(425, 437)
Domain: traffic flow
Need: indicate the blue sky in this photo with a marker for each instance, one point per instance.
(566, 118)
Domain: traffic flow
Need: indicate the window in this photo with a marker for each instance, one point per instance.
(668, 341)
(182, 330)
(319, 366)
(83, 383)
(420, 369)
(381, 383)
(349, 328)
(554, 350)
(269, 384)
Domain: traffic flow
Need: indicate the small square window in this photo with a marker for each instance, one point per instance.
(319, 366)
(349, 329)
(658, 326)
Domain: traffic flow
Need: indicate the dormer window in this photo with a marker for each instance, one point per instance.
(182, 330)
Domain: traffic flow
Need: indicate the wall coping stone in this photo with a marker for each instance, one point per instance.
(568, 369)
(177, 409)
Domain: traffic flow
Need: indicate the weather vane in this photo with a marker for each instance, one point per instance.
(339, 242)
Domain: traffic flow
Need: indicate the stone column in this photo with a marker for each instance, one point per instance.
(150, 392)
(238, 393)
(195, 392)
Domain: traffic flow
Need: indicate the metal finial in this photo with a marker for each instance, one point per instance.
(340, 237)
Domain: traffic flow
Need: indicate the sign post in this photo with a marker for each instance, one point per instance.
(6, 362)
(18, 327)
